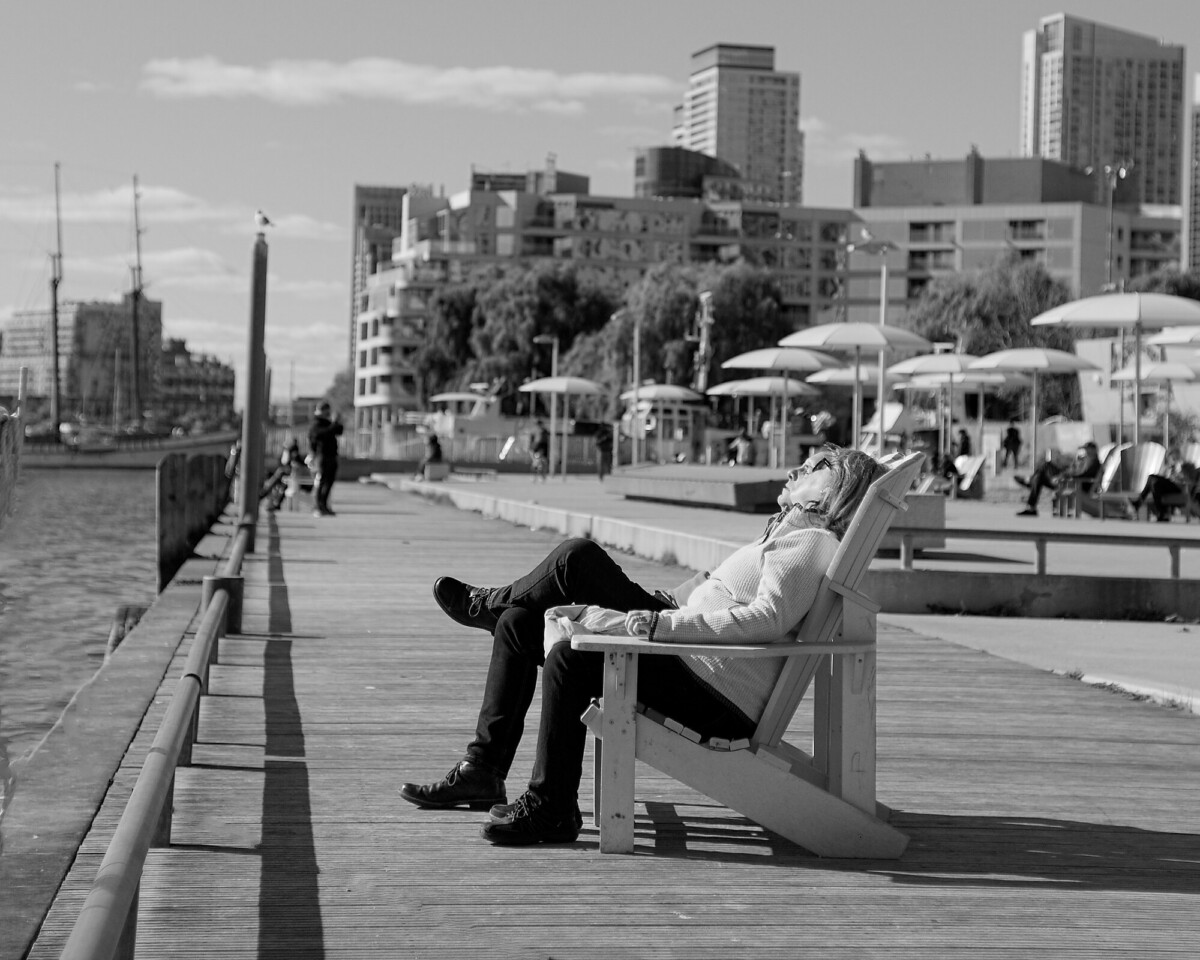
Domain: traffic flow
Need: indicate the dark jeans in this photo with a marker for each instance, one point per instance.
(576, 571)
(1044, 476)
(1158, 489)
(325, 480)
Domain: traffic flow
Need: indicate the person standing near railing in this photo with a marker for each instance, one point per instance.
(323, 452)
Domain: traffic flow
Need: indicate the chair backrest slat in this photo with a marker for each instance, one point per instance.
(847, 568)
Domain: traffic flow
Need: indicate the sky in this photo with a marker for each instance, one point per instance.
(221, 108)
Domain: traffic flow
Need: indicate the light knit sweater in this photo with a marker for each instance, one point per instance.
(759, 594)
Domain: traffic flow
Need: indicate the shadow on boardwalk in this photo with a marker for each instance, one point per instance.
(1046, 817)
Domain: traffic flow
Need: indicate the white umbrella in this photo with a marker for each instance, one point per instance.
(793, 359)
(1033, 360)
(982, 380)
(867, 376)
(763, 387)
(858, 338)
(1164, 371)
(1127, 311)
(655, 393)
(1176, 336)
(663, 391)
(567, 386)
(944, 364)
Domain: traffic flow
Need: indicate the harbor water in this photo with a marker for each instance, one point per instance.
(80, 544)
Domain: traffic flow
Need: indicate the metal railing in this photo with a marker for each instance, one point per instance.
(1173, 545)
(107, 924)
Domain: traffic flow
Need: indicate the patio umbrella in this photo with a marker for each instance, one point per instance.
(1164, 371)
(566, 386)
(655, 393)
(1126, 311)
(1034, 361)
(937, 364)
(1175, 336)
(981, 380)
(794, 359)
(872, 338)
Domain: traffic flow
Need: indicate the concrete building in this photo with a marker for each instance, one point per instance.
(1192, 258)
(618, 238)
(1093, 95)
(946, 216)
(739, 108)
(94, 347)
(194, 386)
(375, 223)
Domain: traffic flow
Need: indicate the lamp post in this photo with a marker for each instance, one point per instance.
(552, 339)
(634, 421)
(880, 248)
(1114, 173)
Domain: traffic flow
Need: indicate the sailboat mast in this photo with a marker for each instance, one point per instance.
(56, 277)
(135, 398)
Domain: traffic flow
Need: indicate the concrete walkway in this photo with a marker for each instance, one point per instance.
(1159, 660)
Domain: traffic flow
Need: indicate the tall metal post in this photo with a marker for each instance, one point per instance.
(882, 395)
(55, 280)
(635, 422)
(256, 374)
(135, 393)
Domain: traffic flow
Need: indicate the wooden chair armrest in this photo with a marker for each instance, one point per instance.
(604, 643)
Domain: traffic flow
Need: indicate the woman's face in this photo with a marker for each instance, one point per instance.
(808, 481)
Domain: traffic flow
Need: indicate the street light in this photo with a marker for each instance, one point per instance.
(880, 248)
(1114, 173)
(634, 421)
(552, 339)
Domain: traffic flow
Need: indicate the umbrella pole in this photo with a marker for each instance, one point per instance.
(1033, 464)
(1137, 383)
(1167, 419)
(566, 419)
(783, 419)
(857, 398)
(979, 440)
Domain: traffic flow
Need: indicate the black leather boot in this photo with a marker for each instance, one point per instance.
(465, 785)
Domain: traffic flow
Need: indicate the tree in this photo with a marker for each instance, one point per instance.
(340, 393)
(1168, 280)
(990, 310)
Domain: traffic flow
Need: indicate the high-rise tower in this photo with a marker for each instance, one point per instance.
(739, 108)
(1093, 95)
(377, 221)
(1191, 224)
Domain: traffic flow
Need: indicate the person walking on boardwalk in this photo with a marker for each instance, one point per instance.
(1011, 444)
(323, 449)
(539, 450)
(760, 593)
(604, 448)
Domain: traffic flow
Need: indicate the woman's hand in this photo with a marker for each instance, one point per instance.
(638, 622)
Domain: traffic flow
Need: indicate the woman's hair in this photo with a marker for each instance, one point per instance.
(853, 472)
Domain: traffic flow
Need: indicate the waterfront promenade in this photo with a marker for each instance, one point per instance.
(1048, 818)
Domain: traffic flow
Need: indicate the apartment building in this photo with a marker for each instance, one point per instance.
(94, 348)
(740, 109)
(619, 238)
(1094, 95)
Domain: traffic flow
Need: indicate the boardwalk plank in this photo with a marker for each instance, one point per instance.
(1048, 818)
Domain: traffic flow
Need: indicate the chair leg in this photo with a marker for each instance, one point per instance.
(615, 775)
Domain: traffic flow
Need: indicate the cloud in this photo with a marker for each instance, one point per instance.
(115, 205)
(825, 146)
(318, 82)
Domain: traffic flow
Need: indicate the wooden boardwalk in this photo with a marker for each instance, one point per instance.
(1048, 818)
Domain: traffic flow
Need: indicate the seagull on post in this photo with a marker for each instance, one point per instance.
(261, 220)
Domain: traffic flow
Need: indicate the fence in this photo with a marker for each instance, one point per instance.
(192, 492)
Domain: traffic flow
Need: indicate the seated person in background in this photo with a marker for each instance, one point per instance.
(1175, 477)
(433, 453)
(758, 594)
(1082, 473)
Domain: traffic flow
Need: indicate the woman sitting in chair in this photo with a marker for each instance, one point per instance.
(758, 594)
(1165, 489)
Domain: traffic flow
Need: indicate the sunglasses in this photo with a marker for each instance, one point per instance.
(820, 461)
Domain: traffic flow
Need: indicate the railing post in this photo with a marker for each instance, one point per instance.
(906, 551)
(1039, 544)
(253, 408)
(127, 945)
(1174, 548)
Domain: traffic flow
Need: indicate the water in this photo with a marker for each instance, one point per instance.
(80, 544)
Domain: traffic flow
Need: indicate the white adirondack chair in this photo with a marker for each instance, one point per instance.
(822, 799)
